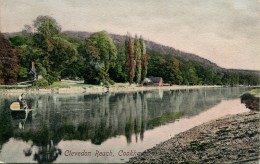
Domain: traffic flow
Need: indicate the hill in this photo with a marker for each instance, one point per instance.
(162, 49)
(193, 70)
(166, 50)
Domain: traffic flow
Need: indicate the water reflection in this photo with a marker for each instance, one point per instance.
(97, 117)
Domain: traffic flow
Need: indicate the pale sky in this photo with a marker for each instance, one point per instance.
(226, 32)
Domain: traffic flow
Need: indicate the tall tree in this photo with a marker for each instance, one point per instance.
(46, 25)
(130, 58)
(26, 53)
(8, 62)
(144, 58)
(173, 70)
(56, 52)
(138, 61)
(118, 72)
(189, 73)
(101, 53)
(60, 53)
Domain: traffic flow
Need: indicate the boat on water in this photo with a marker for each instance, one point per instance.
(17, 107)
(18, 112)
(20, 109)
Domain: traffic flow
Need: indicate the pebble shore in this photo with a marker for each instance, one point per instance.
(231, 139)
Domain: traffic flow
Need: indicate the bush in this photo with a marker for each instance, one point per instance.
(41, 83)
(22, 73)
(51, 78)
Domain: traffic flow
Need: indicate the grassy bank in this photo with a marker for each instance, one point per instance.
(68, 85)
(13, 86)
(255, 91)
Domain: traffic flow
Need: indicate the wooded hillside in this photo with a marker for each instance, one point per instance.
(103, 58)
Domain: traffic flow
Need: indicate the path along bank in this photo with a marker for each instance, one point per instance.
(98, 89)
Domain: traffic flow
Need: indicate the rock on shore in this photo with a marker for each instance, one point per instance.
(233, 138)
(251, 101)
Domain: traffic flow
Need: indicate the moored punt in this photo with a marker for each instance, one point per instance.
(16, 115)
(19, 113)
(16, 107)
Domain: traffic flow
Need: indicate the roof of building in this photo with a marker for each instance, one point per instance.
(155, 79)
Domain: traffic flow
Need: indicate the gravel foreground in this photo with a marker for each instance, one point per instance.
(231, 139)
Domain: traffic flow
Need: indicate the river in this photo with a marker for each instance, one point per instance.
(106, 127)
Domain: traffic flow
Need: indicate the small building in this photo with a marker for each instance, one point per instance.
(156, 81)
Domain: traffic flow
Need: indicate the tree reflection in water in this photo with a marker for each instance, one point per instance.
(97, 117)
(47, 153)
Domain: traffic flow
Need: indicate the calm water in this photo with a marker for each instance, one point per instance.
(107, 127)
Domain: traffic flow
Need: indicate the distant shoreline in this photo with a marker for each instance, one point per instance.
(100, 89)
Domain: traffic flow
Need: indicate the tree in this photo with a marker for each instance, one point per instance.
(47, 26)
(8, 62)
(101, 53)
(55, 53)
(52, 52)
(130, 58)
(137, 54)
(156, 65)
(173, 70)
(189, 73)
(60, 53)
(27, 53)
(144, 58)
(119, 72)
(234, 79)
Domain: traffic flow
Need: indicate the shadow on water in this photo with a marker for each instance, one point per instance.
(97, 117)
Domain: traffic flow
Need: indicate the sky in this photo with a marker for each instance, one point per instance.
(226, 32)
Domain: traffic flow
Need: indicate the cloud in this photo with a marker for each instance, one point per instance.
(212, 29)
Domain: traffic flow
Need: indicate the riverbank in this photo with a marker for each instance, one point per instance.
(98, 89)
(231, 139)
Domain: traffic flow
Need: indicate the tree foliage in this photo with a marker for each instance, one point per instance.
(47, 26)
(130, 58)
(99, 59)
(8, 62)
(47, 48)
(57, 53)
(177, 71)
(173, 71)
(118, 72)
(100, 55)
(138, 59)
(144, 58)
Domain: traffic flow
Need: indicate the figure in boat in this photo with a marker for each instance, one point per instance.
(21, 105)
(22, 101)
(20, 110)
